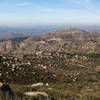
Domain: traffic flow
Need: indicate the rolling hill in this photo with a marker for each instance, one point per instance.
(68, 40)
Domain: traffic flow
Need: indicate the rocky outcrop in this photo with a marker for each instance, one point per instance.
(6, 47)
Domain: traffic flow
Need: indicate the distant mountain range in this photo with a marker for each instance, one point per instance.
(10, 35)
(43, 28)
(72, 40)
(31, 30)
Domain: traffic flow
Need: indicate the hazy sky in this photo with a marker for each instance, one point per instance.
(34, 12)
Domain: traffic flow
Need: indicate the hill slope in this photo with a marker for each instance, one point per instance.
(69, 40)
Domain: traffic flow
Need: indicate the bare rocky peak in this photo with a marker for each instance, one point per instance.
(69, 34)
(72, 30)
(67, 31)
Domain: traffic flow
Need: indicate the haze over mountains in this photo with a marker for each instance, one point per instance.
(13, 32)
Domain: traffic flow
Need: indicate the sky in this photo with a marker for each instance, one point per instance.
(40, 12)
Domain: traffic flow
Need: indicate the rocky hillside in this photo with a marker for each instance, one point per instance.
(50, 67)
(67, 40)
(66, 62)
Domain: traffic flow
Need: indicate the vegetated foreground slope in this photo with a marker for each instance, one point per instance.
(65, 75)
(50, 67)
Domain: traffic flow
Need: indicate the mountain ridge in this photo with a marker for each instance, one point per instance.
(59, 40)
